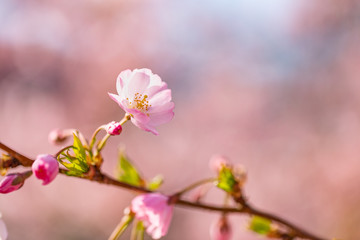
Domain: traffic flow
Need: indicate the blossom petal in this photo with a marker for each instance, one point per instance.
(161, 118)
(162, 108)
(122, 79)
(157, 211)
(117, 99)
(138, 84)
(160, 98)
(144, 126)
(152, 90)
(155, 80)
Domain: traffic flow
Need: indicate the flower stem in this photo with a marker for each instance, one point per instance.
(121, 227)
(194, 185)
(93, 138)
(102, 143)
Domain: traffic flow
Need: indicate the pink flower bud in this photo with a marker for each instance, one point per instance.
(45, 168)
(11, 182)
(155, 211)
(220, 230)
(57, 136)
(113, 128)
(217, 162)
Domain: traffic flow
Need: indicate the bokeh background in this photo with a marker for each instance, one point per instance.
(273, 85)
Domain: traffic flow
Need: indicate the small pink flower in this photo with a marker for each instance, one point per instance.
(155, 212)
(145, 97)
(45, 168)
(217, 162)
(11, 182)
(57, 136)
(113, 128)
(220, 229)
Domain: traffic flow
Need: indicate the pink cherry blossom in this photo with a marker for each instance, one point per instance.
(220, 229)
(113, 128)
(45, 168)
(145, 97)
(56, 136)
(11, 182)
(155, 212)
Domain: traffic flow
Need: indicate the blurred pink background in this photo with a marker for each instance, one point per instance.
(273, 85)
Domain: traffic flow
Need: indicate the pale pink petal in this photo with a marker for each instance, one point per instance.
(122, 80)
(160, 98)
(117, 99)
(144, 70)
(161, 118)
(155, 80)
(155, 208)
(139, 82)
(135, 112)
(161, 108)
(145, 126)
(151, 91)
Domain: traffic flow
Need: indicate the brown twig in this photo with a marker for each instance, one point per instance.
(25, 161)
(245, 208)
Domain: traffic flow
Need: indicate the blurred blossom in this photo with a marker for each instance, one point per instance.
(22, 26)
(45, 168)
(217, 162)
(57, 136)
(145, 97)
(155, 212)
(220, 229)
(3, 230)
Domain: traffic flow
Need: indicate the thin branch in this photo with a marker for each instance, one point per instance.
(298, 231)
(25, 161)
(245, 207)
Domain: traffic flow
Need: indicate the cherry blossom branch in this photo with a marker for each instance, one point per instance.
(96, 175)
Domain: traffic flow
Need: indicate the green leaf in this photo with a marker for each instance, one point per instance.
(127, 172)
(79, 152)
(226, 180)
(77, 164)
(260, 225)
(156, 182)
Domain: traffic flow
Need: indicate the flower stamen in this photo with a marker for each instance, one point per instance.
(140, 102)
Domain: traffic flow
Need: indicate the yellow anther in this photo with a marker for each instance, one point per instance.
(140, 102)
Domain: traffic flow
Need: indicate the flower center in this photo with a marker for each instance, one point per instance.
(140, 102)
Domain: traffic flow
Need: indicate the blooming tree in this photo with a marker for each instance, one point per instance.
(147, 103)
